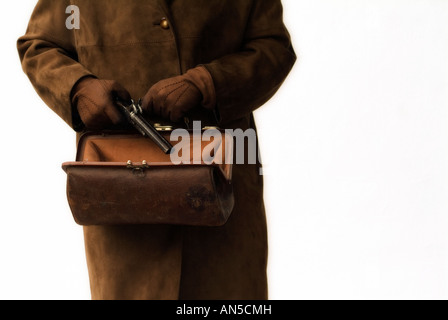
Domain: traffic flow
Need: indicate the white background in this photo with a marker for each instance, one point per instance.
(355, 146)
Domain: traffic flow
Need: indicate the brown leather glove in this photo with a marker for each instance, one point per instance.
(95, 102)
(172, 98)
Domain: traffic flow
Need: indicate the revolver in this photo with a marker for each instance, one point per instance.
(134, 115)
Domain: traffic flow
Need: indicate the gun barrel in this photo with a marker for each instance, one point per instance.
(148, 130)
(133, 114)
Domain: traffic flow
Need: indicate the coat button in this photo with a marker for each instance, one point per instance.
(164, 24)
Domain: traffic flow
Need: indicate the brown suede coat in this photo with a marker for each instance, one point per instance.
(247, 50)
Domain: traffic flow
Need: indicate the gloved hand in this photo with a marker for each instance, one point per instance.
(172, 98)
(95, 102)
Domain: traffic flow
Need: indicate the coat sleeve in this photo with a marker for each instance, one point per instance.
(247, 79)
(48, 55)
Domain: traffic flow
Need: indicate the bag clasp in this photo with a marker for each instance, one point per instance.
(138, 170)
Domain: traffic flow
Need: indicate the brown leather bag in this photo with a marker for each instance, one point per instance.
(121, 178)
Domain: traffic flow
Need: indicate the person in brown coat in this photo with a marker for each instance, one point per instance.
(229, 58)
